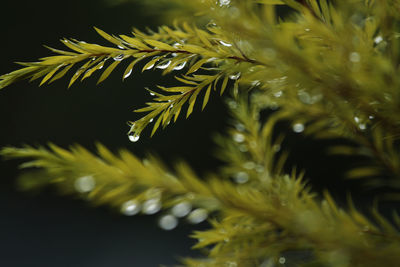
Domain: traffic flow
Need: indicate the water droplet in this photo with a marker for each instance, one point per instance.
(243, 148)
(151, 120)
(278, 94)
(249, 165)
(378, 39)
(307, 29)
(240, 127)
(152, 94)
(164, 65)
(130, 208)
(232, 104)
(304, 97)
(180, 66)
(85, 184)
(119, 57)
(357, 119)
(238, 137)
(181, 209)
(133, 137)
(362, 126)
(235, 76)
(371, 117)
(255, 83)
(150, 67)
(197, 216)
(298, 127)
(241, 177)
(151, 206)
(354, 57)
(276, 148)
(260, 168)
(128, 74)
(282, 260)
(225, 43)
(168, 222)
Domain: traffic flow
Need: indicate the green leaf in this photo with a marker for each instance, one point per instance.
(207, 96)
(108, 71)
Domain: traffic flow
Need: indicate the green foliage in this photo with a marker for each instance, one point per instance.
(328, 67)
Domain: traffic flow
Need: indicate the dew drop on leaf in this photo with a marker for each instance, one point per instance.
(85, 184)
(181, 209)
(164, 65)
(151, 206)
(128, 74)
(238, 137)
(235, 76)
(130, 208)
(241, 177)
(168, 222)
(180, 66)
(298, 127)
(225, 43)
(134, 137)
(197, 216)
(119, 57)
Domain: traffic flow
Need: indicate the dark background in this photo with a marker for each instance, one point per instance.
(49, 230)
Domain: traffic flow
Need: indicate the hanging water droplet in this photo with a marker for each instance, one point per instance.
(238, 137)
(224, 2)
(357, 119)
(133, 137)
(235, 76)
(119, 57)
(150, 67)
(304, 97)
(197, 216)
(128, 74)
(85, 184)
(255, 83)
(151, 120)
(164, 65)
(276, 148)
(130, 208)
(241, 177)
(249, 165)
(181, 209)
(232, 103)
(151, 206)
(282, 260)
(240, 127)
(378, 39)
(354, 57)
(180, 66)
(121, 47)
(243, 148)
(278, 94)
(298, 127)
(362, 126)
(168, 222)
(260, 168)
(152, 94)
(371, 117)
(225, 43)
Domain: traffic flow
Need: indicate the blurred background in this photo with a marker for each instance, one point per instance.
(50, 230)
